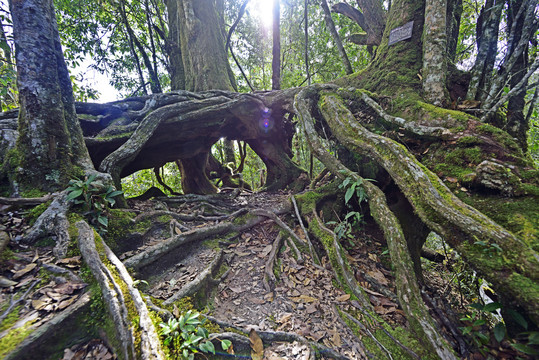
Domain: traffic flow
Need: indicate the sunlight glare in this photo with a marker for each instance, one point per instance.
(263, 10)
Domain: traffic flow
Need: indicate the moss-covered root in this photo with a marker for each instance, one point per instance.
(514, 272)
(124, 303)
(407, 287)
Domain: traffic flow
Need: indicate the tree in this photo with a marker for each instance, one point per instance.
(50, 144)
(435, 169)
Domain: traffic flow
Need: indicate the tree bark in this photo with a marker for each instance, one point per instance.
(434, 52)
(50, 144)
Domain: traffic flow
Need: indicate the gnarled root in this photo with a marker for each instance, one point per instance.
(113, 282)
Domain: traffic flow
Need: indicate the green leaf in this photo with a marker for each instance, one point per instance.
(533, 338)
(349, 194)
(518, 318)
(491, 307)
(207, 347)
(74, 194)
(528, 350)
(115, 193)
(499, 332)
(477, 306)
(479, 322)
(103, 220)
(225, 344)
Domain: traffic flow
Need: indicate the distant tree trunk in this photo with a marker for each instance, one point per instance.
(276, 53)
(50, 145)
(434, 52)
(454, 14)
(333, 31)
(487, 41)
(517, 125)
(306, 31)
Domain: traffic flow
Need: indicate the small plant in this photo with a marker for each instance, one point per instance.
(489, 249)
(95, 200)
(353, 187)
(475, 320)
(186, 337)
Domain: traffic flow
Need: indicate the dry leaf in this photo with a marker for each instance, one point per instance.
(336, 338)
(378, 276)
(265, 251)
(66, 303)
(257, 301)
(257, 347)
(303, 298)
(311, 308)
(24, 271)
(39, 304)
(285, 318)
(344, 297)
(69, 288)
(4, 282)
(373, 257)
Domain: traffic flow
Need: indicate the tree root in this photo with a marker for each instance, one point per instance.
(285, 227)
(434, 203)
(342, 271)
(53, 222)
(116, 299)
(314, 255)
(200, 280)
(272, 336)
(269, 277)
(407, 286)
(27, 201)
(14, 302)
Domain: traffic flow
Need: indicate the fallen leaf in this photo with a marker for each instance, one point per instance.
(69, 288)
(66, 303)
(373, 257)
(452, 179)
(285, 318)
(336, 338)
(265, 251)
(39, 304)
(378, 276)
(4, 282)
(24, 271)
(311, 309)
(257, 301)
(257, 347)
(303, 298)
(344, 297)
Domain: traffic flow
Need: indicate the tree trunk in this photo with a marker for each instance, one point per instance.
(177, 74)
(434, 52)
(50, 145)
(276, 53)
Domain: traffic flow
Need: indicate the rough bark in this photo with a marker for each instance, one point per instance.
(407, 285)
(434, 52)
(336, 38)
(443, 212)
(173, 48)
(50, 143)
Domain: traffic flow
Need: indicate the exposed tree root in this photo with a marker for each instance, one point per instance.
(29, 348)
(285, 227)
(434, 203)
(111, 282)
(365, 330)
(53, 222)
(314, 255)
(407, 287)
(269, 277)
(14, 302)
(201, 280)
(272, 336)
(27, 201)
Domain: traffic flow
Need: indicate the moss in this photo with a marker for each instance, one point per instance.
(11, 318)
(33, 193)
(36, 211)
(120, 226)
(502, 137)
(469, 140)
(14, 337)
(436, 112)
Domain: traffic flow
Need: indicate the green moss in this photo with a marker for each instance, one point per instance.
(36, 211)
(502, 137)
(469, 140)
(11, 318)
(14, 337)
(435, 112)
(32, 193)
(121, 224)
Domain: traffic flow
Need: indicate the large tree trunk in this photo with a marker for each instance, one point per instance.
(50, 145)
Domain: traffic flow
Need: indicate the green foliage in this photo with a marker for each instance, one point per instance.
(94, 199)
(353, 219)
(185, 337)
(475, 321)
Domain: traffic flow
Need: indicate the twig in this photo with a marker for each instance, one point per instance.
(14, 303)
(27, 201)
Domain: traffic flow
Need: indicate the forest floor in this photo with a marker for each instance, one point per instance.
(305, 300)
